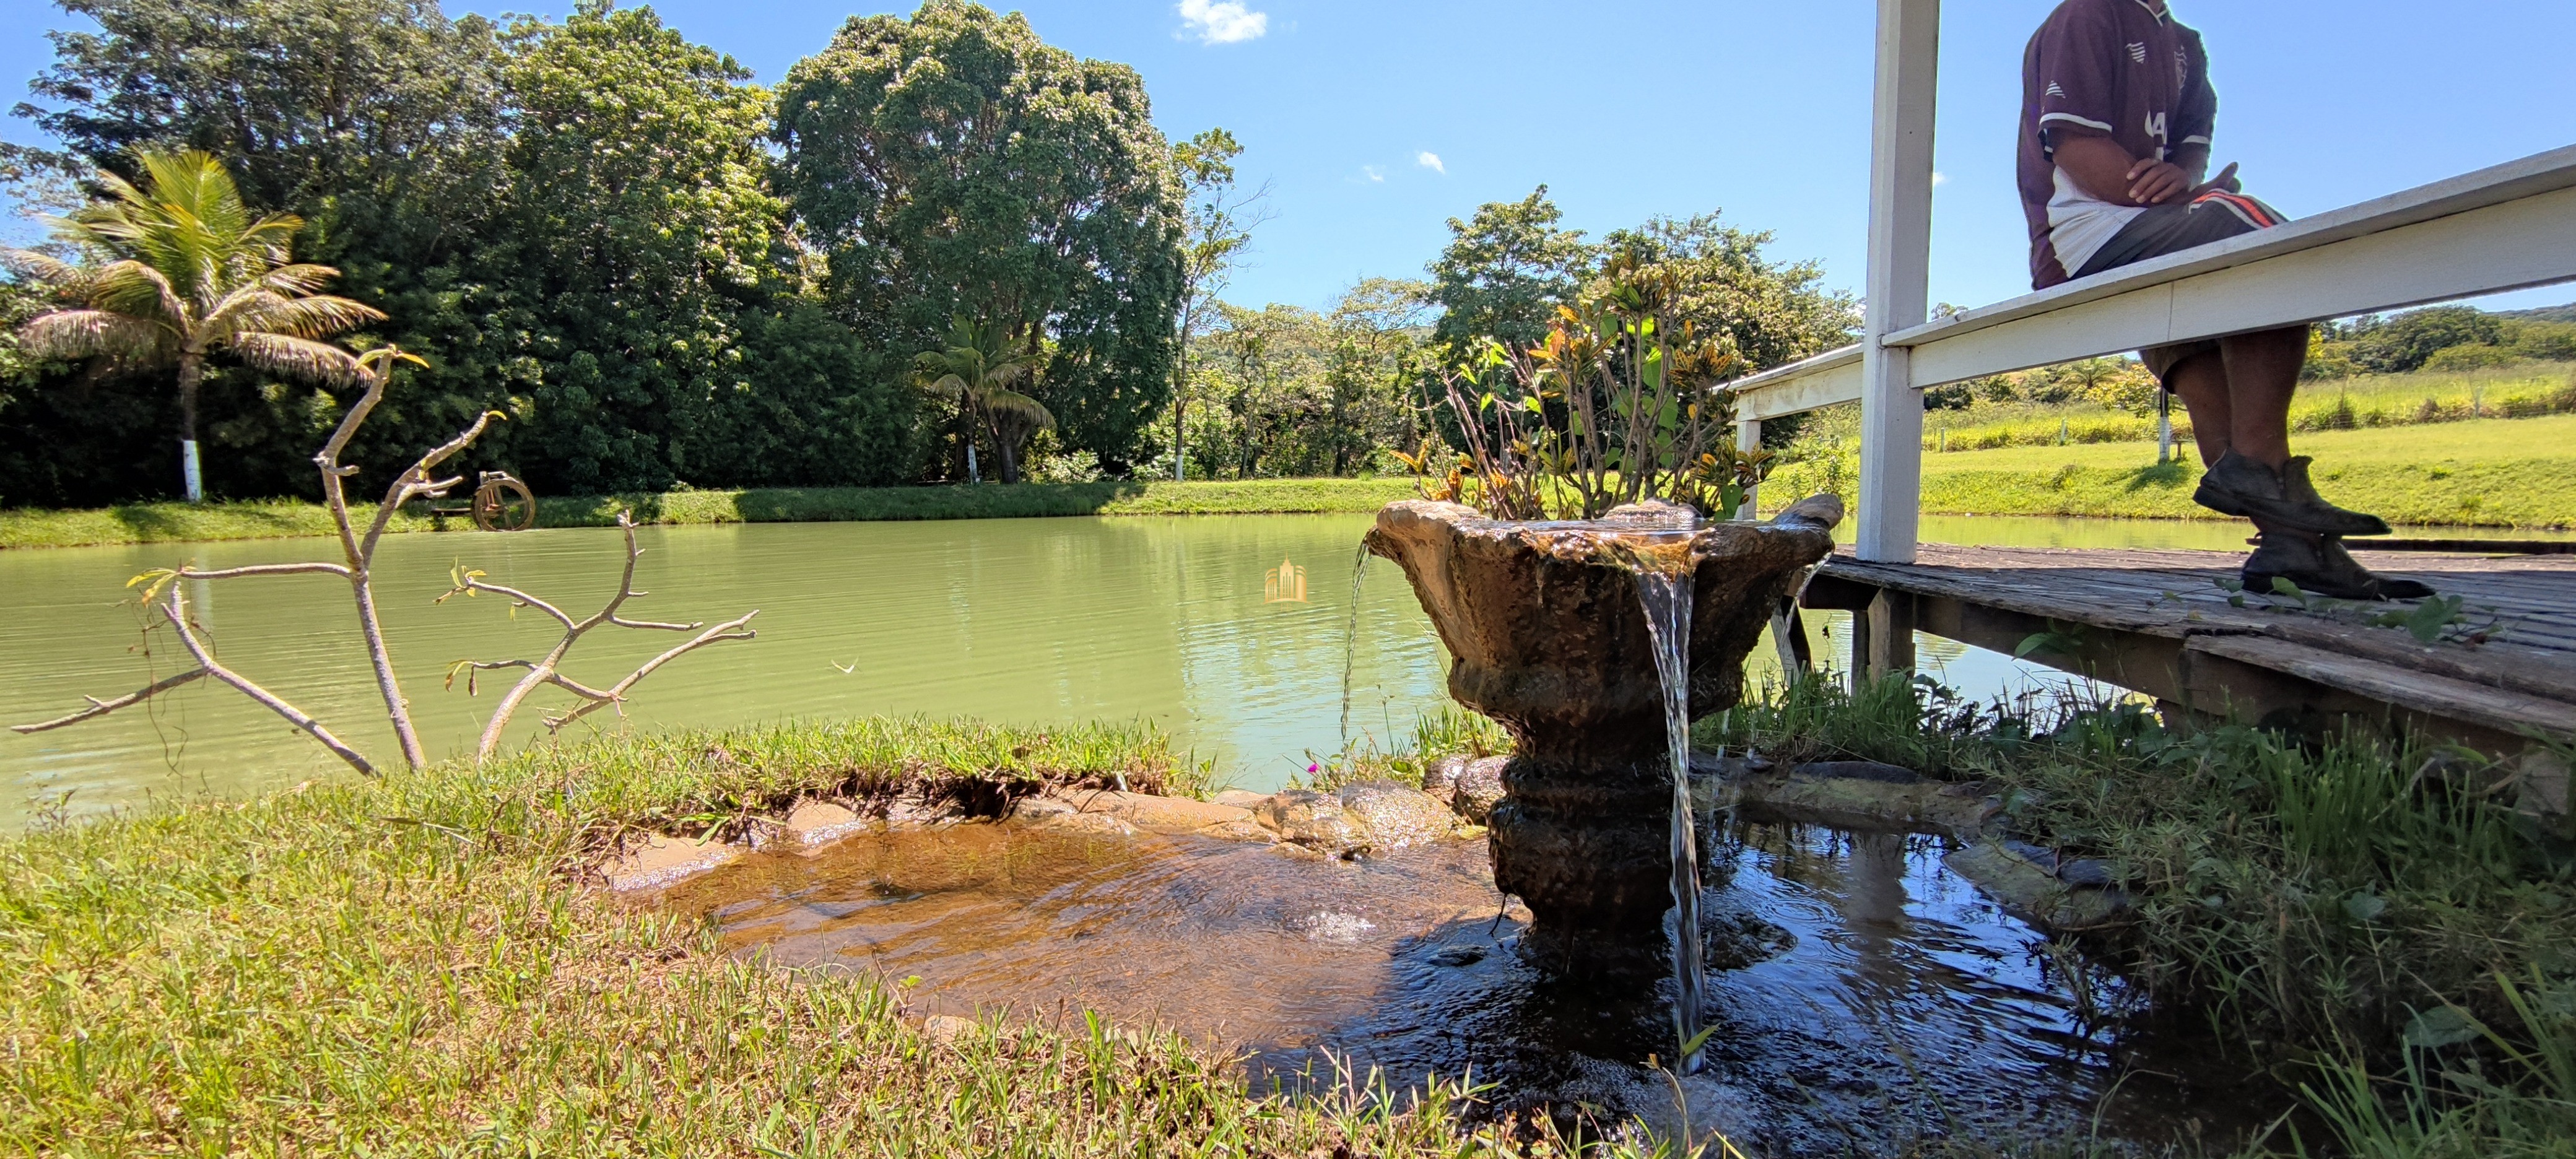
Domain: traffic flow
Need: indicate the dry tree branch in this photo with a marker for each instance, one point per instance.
(175, 611)
(99, 707)
(547, 670)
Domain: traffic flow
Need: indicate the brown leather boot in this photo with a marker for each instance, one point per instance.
(2320, 566)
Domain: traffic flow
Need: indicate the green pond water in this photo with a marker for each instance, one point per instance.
(1027, 621)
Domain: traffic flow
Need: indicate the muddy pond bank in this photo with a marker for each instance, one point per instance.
(1866, 995)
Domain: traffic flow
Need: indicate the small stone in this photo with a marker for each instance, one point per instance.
(944, 1030)
(1456, 956)
(662, 860)
(818, 823)
(1242, 798)
(1245, 829)
(1478, 786)
(918, 813)
(1441, 775)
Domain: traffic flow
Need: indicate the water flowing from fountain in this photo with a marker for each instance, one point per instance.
(1665, 592)
(1351, 641)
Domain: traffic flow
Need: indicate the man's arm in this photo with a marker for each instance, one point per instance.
(2107, 171)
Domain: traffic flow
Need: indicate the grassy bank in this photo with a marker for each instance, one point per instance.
(2374, 920)
(274, 519)
(2523, 390)
(2483, 473)
(409, 966)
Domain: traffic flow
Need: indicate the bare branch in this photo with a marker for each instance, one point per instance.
(733, 629)
(314, 568)
(177, 611)
(514, 595)
(99, 707)
(656, 625)
(416, 481)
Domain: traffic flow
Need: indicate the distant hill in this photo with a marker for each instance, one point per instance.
(2566, 313)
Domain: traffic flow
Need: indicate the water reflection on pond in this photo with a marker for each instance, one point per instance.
(1863, 995)
(1029, 621)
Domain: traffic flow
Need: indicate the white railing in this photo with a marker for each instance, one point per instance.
(2503, 228)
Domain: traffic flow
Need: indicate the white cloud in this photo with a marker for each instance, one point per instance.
(1223, 21)
(1940, 178)
(1373, 173)
(1431, 161)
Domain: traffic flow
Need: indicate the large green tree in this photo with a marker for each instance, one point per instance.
(1505, 270)
(1773, 312)
(953, 163)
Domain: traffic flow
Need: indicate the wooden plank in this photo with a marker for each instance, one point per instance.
(2521, 682)
(1897, 294)
(2504, 227)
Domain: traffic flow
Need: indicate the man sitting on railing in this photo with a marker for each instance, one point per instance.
(2117, 112)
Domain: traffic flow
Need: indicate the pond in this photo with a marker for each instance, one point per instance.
(1026, 621)
(1866, 998)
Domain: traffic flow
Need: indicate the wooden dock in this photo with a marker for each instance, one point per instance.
(2497, 675)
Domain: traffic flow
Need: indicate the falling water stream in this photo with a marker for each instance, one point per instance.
(1351, 640)
(1664, 586)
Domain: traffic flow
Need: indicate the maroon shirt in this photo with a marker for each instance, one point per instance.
(2117, 68)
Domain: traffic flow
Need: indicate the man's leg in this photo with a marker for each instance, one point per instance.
(2200, 381)
(2262, 372)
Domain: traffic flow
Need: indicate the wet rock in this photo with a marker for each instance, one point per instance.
(662, 860)
(1158, 814)
(1394, 816)
(2062, 894)
(1310, 819)
(1870, 795)
(1241, 798)
(1355, 819)
(1478, 785)
(811, 825)
(1101, 823)
(921, 812)
(1245, 829)
(1040, 808)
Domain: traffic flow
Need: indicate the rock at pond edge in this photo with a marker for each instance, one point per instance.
(661, 860)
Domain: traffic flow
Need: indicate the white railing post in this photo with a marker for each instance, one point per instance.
(1900, 250)
(1748, 439)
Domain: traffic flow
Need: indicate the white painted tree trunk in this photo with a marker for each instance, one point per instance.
(196, 483)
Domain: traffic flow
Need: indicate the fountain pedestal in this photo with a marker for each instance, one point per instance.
(1551, 642)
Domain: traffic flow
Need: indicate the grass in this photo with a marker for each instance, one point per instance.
(2526, 390)
(2354, 912)
(408, 966)
(2485, 473)
(272, 519)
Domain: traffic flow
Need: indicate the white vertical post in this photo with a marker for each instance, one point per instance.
(1900, 251)
(1748, 439)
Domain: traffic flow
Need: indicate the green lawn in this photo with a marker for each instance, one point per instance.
(271, 519)
(2485, 473)
(411, 966)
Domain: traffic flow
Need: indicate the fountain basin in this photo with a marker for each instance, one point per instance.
(1549, 639)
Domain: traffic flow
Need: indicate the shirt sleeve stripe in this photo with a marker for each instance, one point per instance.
(2085, 121)
(2195, 139)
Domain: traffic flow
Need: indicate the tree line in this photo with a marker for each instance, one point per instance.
(938, 248)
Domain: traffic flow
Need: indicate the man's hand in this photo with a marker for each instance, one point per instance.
(2153, 182)
(2226, 180)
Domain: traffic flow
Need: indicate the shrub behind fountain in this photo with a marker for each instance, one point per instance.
(1551, 642)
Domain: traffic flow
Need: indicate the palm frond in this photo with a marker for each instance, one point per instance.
(297, 279)
(297, 357)
(98, 333)
(255, 309)
(944, 386)
(46, 268)
(136, 289)
(1011, 404)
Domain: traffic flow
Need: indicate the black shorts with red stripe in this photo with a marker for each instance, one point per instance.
(2213, 216)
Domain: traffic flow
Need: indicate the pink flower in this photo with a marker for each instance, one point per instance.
(1313, 769)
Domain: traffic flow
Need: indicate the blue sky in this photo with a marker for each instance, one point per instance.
(1627, 110)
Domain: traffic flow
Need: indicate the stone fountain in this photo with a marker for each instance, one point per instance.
(1551, 640)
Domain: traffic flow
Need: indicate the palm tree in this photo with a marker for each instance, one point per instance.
(177, 271)
(978, 370)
